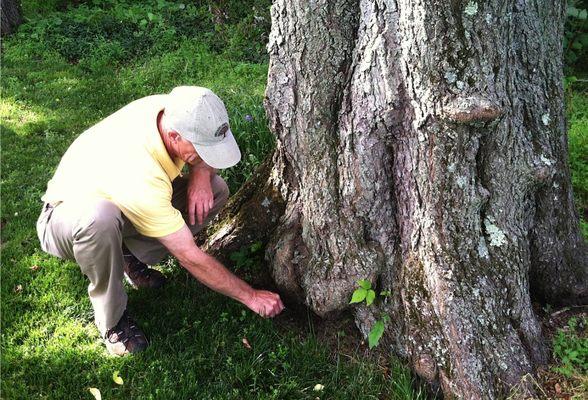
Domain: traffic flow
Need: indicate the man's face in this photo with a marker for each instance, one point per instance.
(186, 151)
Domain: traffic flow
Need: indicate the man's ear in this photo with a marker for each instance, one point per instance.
(174, 136)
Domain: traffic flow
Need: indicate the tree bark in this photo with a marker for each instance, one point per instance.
(11, 16)
(422, 146)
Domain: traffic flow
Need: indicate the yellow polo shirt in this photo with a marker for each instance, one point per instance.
(122, 159)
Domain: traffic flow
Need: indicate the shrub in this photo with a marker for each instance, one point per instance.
(120, 31)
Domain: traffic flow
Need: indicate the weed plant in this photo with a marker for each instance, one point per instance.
(570, 348)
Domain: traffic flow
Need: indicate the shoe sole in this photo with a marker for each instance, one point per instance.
(120, 350)
(130, 281)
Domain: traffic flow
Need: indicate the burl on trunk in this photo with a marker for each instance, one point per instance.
(421, 145)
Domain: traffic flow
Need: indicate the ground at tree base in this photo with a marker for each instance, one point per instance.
(342, 338)
(552, 384)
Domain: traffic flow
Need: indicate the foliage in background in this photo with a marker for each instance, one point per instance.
(576, 37)
(577, 111)
(120, 30)
(248, 260)
(570, 347)
(239, 28)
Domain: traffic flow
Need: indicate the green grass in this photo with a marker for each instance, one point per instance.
(60, 75)
(578, 150)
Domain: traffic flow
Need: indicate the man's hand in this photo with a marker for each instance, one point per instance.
(265, 303)
(200, 197)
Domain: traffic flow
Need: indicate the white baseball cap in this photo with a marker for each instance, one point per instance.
(200, 117)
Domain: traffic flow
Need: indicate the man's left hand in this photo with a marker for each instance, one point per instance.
(200, 197)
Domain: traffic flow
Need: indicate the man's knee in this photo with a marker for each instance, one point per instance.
(102, 220)
(220, 190)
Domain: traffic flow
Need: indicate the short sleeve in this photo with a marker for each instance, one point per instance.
(148, 207)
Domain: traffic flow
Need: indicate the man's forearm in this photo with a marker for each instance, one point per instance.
(214, 275)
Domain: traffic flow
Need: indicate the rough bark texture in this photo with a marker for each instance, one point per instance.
(421, 145)
(258, 201)
(11, 16)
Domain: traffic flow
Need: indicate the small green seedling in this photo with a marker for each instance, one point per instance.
(367, 294)
(116, 378)
(248, 256)
(377, 331)
(570, 348)
(364, 292)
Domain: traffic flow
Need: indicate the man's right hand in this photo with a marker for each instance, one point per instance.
(214, 275)
(265, 303)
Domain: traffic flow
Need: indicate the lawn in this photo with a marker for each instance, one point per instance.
(63, 71)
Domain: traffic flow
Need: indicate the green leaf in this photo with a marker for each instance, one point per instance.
(116, 378)
(573, 11)
(358, 296)
(582, 14)
(96, 393)
(370, 296)
(255, 247)
(572, 57)
(385, 293)
(573, 355)
(364, 284)
(375, 334)
(237, 256)
(151, 16)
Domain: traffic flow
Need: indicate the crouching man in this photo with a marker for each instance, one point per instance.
(118, 203)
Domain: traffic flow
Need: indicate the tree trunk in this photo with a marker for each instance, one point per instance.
(421, 145)
(11, 16)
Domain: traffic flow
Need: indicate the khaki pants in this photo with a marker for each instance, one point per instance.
(92, 234)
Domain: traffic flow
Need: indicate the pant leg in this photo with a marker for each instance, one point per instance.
(90, 234)
(150, 250)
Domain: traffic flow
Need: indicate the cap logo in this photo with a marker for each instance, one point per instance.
(222, 130)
